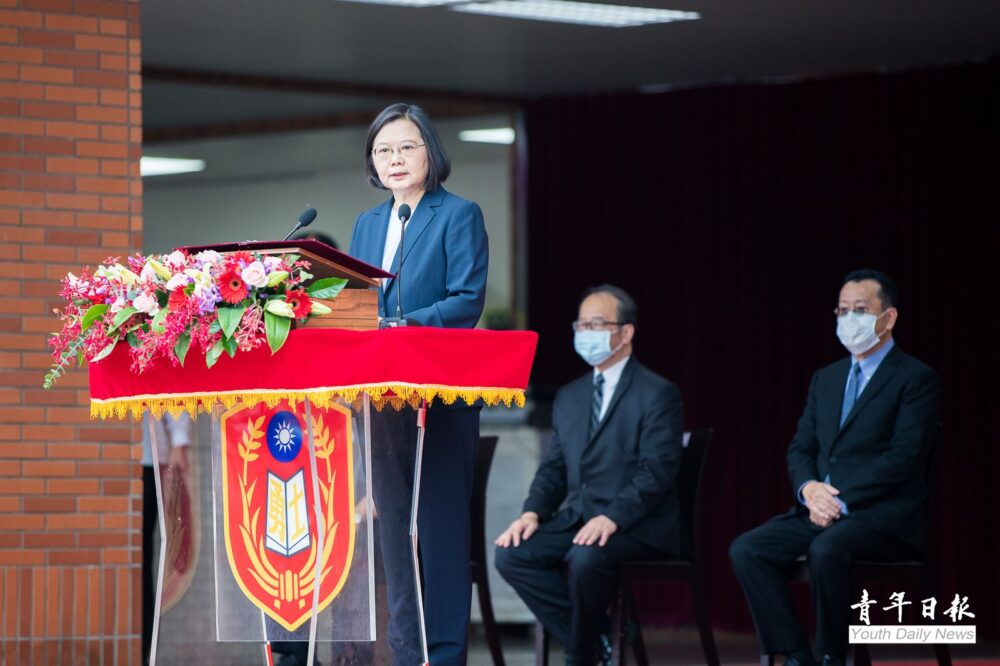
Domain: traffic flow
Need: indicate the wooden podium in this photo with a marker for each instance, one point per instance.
(355, 308)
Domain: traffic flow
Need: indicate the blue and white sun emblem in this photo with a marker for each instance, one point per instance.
(284, 436)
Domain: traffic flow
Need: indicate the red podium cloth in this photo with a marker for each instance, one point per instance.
(401, 365)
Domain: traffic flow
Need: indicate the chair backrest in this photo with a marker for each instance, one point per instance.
(689, 481)
(477, 516)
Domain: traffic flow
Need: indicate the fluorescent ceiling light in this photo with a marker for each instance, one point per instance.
(408, 3)
(504, 135)
(164, 166)
(569, 11)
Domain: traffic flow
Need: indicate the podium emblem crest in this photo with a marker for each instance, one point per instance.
(271, 521)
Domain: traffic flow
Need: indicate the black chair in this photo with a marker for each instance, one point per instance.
(686, 570)
(478, 563)
(914, 574)
(625, 621)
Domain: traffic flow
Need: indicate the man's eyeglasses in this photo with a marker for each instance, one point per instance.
(594, 325)
(384, 151)
(859, 310)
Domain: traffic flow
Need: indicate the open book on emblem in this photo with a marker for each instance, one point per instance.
(287, 520)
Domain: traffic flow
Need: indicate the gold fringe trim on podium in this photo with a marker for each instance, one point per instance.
(405, 395)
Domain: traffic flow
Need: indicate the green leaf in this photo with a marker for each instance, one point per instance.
(230, 345)
(276, 329)
(80, 358)
(327, 287)
(157, 323)
(215, 327)
(214, 353)
(91, 315)
(104, 352)
(181, 348)
(122, 317)
(229, 318)
(133, 340)
(291, 258)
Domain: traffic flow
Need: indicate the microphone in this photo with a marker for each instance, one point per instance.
(305, 219)
(403, 214)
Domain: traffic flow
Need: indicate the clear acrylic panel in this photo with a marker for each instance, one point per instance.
(274, 499)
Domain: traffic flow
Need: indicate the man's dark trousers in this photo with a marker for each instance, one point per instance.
(761, 558)
(569, 601)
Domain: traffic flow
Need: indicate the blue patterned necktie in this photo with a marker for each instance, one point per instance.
(851, 394)
(596, 402)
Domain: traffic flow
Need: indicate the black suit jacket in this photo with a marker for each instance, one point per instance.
(627, 469)
(878, 460)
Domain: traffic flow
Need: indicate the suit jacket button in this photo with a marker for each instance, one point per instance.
(833, 459)
(583, 485)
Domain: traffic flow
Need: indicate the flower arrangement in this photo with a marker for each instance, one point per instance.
(162, 306)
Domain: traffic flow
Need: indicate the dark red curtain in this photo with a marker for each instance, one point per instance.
(731, 213)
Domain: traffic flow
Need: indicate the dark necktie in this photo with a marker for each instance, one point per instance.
(595, 403)
(851, 394)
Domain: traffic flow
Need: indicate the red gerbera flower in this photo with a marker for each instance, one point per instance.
(241, 258)
(299, 301)
(177, 300)
(232, 287)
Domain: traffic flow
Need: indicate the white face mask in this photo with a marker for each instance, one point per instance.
(594, 347)
(857, 332)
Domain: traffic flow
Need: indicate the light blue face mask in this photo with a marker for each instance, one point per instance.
(594, 347)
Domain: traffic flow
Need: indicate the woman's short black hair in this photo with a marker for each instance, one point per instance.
(438, 164)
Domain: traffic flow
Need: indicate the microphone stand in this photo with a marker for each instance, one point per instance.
(398, 320)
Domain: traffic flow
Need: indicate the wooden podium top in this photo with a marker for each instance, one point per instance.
(326, 261)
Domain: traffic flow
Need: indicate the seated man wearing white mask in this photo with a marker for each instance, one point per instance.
(857, 464)
(614, 456)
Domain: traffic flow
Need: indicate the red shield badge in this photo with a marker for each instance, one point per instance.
(271, 524)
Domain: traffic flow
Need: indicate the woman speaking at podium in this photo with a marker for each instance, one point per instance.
(443, 283)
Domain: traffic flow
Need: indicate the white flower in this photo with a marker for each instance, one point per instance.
(146, 303)
(255, 275)
(123, 275)
(178, 280)
(271, 262)
(200, 278)
(177, 259)
(208, 257)
(280, 308)
(319, 309)
(276, 278)
(148, 273)
(160, 269)
(118, 305)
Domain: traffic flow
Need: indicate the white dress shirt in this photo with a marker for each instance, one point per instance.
(611, 377)
(391, 248)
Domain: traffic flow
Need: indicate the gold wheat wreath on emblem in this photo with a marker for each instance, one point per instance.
(289, 586)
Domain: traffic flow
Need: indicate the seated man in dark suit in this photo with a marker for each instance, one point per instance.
(613, 462)
(857, 464)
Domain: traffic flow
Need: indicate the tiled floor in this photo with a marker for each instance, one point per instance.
(666, 646)
(681, 647)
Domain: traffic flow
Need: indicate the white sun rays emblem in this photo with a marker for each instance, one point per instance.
(284, 436)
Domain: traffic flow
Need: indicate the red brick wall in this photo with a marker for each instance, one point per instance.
(70, 195)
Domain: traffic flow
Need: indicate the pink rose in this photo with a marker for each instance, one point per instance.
(178, 280)
(146, 303)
